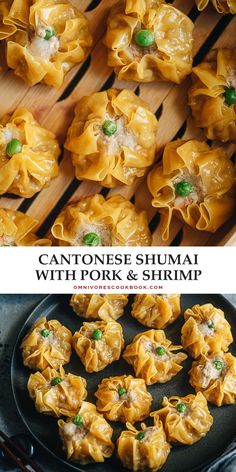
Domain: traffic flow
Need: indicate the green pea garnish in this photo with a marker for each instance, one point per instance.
(140, 435)
(49, 33)
(160, 350)
(109, 127)
(78, 420)
(144, 38)
(181, 407)
(45, 333)
(121, 391)
(218, 365)
(97, 334)
(91, 239)
(230, 96)
(211, 325)
(183, 188)
(13, 147)
(56, 381)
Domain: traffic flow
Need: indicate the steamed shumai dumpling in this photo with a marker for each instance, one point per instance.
(56, 393)
(212, 96)
(222, 6)
(47, 344)
(112, 137)
(49, 37)
(143, 450)
(186, 419)
(17, 229)
(98, 344)
(149, 41)
(123, 398)
(99, 306)
(86, 437)
(215, 376)
(205, 330)
(28, 154)
(152, 357)
(99, 221)
(156, 311)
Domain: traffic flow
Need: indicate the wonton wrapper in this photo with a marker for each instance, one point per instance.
(149, 453)
(211, 173)
(89, 442)
(26, 173)
(114, 219)
(35, 59)
(184, 428)
(132, 406)
(97, 354)
(63, 399)
(116, 159)
(218, 387)
(16, 229)
(98, 306)
(7, 27)
(170, 58)
(206, 96)
(156, 311)
(147, 364)
(41, 352)
(197, 338)
(222, 6)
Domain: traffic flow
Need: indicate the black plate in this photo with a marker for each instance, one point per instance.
(44, 428)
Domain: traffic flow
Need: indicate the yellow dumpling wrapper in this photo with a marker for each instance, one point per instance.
(114, 159)
(148, 453)
(99, 306)
(168, 58)
(222, 6)
(123, 398)
(215, 377)
(56, 393)
(47, 344)
(205, 330)
(211, 175)
(152, 356)
(207, 97)
(115, 221)
(17, 229)
(34, 58)
(30, 170)
(156, 311)
(90, 441)
(96, 352)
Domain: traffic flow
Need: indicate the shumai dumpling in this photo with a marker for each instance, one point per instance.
(17, 229)
(51, 37)
(152, 357)
(156, 311)
(98, 344)
(215, 376)
(143, 450)
(222, 6)
(193, 183)
(123, 398)
(186, 420)
(56, 393)
(98, 306)
(7, 27)
(99, 221)
(149, 41)
(47, 344)
(87, 437)
(212, 96)
(205, 330)
(112, 137)
(28, 154)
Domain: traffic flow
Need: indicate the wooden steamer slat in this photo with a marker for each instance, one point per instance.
(54, 109)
